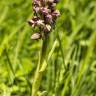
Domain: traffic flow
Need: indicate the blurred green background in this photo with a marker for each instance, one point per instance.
(71, 71)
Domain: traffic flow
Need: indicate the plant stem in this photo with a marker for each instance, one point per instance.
(38, 73)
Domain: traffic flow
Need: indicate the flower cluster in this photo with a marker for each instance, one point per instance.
(45, 17)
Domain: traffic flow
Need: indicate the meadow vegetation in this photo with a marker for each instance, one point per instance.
(71, 54)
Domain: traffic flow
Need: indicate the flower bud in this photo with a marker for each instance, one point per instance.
(36, 36)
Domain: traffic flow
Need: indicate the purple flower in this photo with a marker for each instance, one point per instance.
(44, 10)
(49, 19)
(56, 13)
(45, 17)
(33, 21)
(36, 21)
(36, 9)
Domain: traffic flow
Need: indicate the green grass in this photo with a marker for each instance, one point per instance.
(71, 54)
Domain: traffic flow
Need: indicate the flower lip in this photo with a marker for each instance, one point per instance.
(40, 22)
(47, 28)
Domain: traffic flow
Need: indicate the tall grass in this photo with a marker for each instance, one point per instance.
(71, 54)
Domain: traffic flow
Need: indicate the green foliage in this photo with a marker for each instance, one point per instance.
(71, 69)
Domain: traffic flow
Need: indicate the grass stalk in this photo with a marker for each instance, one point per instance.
(9, 62)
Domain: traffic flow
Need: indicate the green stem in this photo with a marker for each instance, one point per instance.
(38, 73)
(61, 48)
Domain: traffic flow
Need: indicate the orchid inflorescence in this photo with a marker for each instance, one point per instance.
(45, 15)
